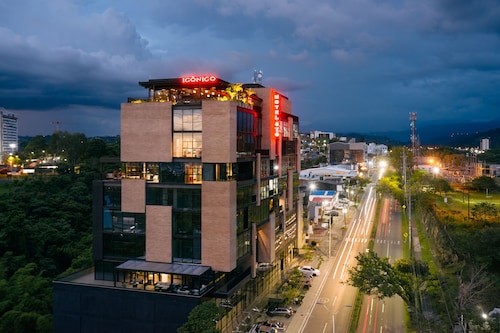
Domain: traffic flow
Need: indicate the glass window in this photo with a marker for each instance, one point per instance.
(186, 242)
(187, 137)
(124, 245)
(112, 196)
(246, 131)
(159, 196)
(193, 173)
(188, 198)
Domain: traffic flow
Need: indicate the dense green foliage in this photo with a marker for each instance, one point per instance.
(374, 275)
(462, 233)
(199, 318)
(45, 225)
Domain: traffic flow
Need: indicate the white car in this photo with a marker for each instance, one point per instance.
(278, 325)
(309, 270)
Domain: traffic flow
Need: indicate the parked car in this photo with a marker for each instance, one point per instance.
(226, 304)
(309, 270)
(278, 325)
(280, 311)
(266, 329)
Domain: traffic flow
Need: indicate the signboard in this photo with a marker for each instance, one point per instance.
(276, 111)
(199, 79)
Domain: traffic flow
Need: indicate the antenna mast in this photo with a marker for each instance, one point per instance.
(257, 76)
(413, 138)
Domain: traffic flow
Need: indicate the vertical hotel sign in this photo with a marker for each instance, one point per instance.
(276, 107)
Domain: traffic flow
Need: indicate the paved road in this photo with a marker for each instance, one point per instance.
(328, 306)
(385, 315)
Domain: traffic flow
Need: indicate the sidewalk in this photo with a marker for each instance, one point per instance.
(321, 260)
(324, 247)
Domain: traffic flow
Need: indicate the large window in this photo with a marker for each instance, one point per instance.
(181, 172)
(246, 131)
(218, 171)
(187, 133)
(186, 224)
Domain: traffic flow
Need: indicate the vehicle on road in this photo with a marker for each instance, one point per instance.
(309, 270)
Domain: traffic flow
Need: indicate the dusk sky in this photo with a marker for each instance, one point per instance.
(346, 65)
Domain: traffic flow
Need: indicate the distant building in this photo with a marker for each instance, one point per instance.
(338, 171)
(377, 149)
(322, 135)
(347, 152)
(8, 133)
(484, 144)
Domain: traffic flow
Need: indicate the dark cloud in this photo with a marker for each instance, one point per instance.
(361, 65)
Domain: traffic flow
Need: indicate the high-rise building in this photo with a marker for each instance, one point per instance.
(208, 190)
(484, 144)
(8, 133)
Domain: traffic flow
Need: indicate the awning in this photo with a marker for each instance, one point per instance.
(160, 267)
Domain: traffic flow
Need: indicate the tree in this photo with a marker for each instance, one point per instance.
(375, 276)
(441, 185)
(484, 183)
(484, 212)
(473, 286)
(203, 319)
(391, 184)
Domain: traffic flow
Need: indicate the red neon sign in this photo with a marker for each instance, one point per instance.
(276, 101)
(199, 79)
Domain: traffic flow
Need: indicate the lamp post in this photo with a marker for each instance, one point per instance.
(330, 237)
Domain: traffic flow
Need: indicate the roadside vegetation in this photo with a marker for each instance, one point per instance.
(458, 225)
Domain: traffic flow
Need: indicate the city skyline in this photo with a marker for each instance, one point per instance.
(347, 66)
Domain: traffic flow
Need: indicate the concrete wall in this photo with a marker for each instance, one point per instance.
(219, 131)
(146, 132)
(159, 233)
(133, 195)
(218, 225)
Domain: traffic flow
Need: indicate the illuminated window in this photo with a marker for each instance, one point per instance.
(187, 133)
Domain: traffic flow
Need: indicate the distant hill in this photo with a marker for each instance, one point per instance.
(457, 134)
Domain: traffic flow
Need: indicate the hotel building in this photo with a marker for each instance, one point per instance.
(208, 190)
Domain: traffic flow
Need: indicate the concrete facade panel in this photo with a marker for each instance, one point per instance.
(218, 225)
(159, 233)
(219, 131)
(133, 195)
(146, 132)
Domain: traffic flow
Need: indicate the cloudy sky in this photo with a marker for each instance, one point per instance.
(347, 65)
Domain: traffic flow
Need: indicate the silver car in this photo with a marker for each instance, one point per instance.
(280, 311)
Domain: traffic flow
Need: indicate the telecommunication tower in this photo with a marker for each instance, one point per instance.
(414, 138)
